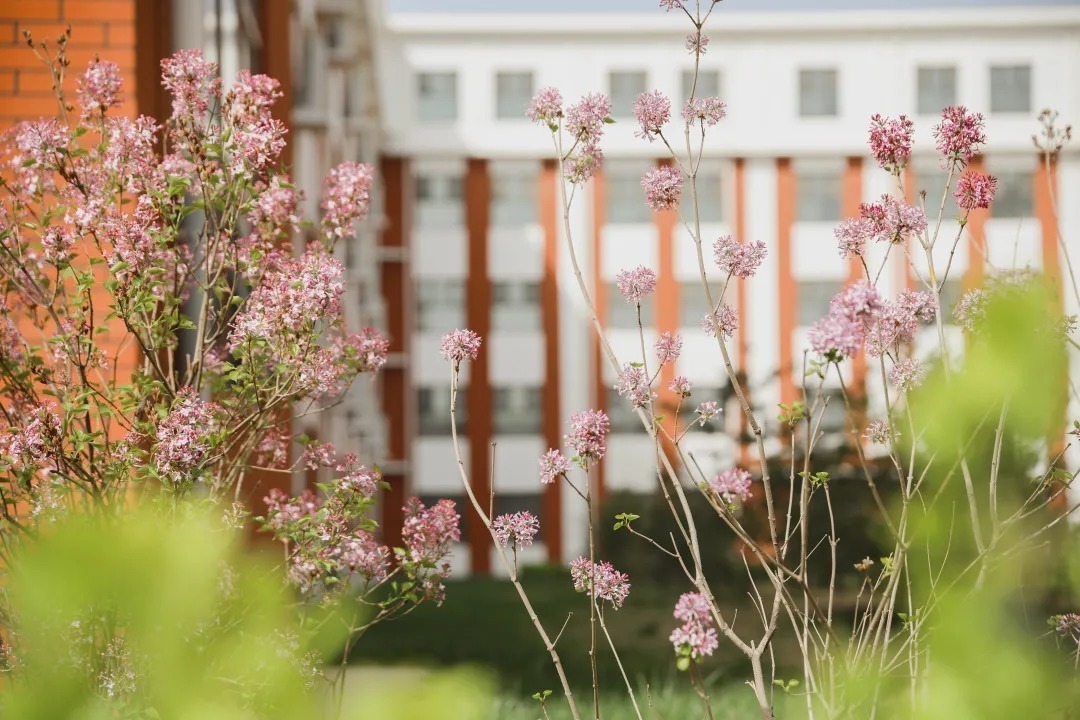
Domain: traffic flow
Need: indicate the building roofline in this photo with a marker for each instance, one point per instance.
(611, 24)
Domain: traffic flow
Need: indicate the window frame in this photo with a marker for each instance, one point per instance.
(438, 117)
(804, 106)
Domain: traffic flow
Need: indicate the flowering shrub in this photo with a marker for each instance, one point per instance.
(948, 432)
(159, 333)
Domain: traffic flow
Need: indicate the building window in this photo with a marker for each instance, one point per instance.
(625, 88)
(692, 303)
(817, 197)
(625, 197)
(436, 96)
(1014, 198)
(519, 502)
(621, 413)
(817, 93)
(932, 181)
(515, 305)
(813, 299)
(1010, 89)
(513, 92)
(516, 410)
(622, 315)
(710, 195)
(708, 84)
(513, 199)
(440, 304)
(936, 89)
(951, 291)
(439, 201)
(433, 409)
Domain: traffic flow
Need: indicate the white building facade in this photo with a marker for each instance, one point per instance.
(480, 242)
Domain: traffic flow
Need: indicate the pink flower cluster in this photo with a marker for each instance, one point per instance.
(733, 487)
(975, 190)
(890, 142)
(877, 432)
(681, 386)
(183, 437)
(346, 197)
(697, 635)
(588, 434)
(633, 385)
(546, 107)
(663, 187)
(959, 135)
(851, 312)
(706, 411)
(897, 322)
(516, 529)
(907, 374)
(737, 259)
(32, 444)
(99, 87)
(668, 347)
(193, 83)
(652, 110)
(458, 345)
(706, 110)
(723, 323)
(429, 534)
(697, 42)
(888, 220)
(971, 309)
(600, 580)
(290, 299)
(553, 465)
(637, 284)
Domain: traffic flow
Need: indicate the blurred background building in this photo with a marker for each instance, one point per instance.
(466, 231)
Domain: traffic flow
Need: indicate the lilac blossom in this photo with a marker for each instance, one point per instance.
(633, 385)
(669, 347)
(907, 374)
(636, 284)
(697, 42)
(428, 535)
(588, 434)
(663, 187)
(183, 437)
(553, 465)
(723, 323)
(737, 259)
(582, 165)
(890, 142)
(98, 89)
(681, 386)
(975, 190)
(706, 110)
(696, 636)
(878, 432)
(706, 411)
(346, 196)
(458, 345)
(652, 110)
(585, 119)
(600, 580)
(959, 135)
(516, 529)
(733, 487)
(546, 106)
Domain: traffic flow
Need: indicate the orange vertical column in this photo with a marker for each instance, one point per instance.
(478, 318)
(397, 398)
(667, 314)
(851, 198)
(740, 287)
(785, 219)
(1051, 262)
(275, 60)
(976, 229)
(600, 300)
(551, 507)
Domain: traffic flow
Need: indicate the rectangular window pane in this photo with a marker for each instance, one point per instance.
(436, 96)
(709, 193)
(433, 409)
(625, 87)
(1014, 195)
(818, 197)
(439, 201)
(516, 410)
(1010, 89)
(519, 502)
(440, 304)
(931, 179)
(813, 299)
(936, 89)
(622, 315)
(708, 84)
(515, 305)
(513, 199)
(513, 91)
(817, 93)
(625, 197)
(623, 417)
(692, 303)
